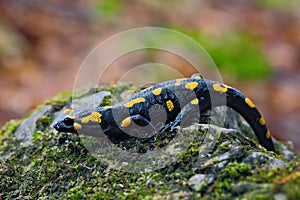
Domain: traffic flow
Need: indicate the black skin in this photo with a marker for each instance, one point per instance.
(153, 116)
(65, 125)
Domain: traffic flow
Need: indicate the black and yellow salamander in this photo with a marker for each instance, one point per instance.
(161, 107)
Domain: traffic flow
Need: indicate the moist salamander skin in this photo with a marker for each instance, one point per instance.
(163, 105)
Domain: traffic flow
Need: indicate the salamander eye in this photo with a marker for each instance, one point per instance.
(68, 121)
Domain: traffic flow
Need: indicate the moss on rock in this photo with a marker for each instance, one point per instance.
(216, 163)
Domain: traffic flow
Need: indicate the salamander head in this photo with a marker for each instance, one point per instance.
(65, 125)
(75, 120)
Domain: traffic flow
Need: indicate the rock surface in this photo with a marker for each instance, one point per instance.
(220, 160)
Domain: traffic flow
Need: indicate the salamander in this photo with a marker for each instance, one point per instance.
(162, 107)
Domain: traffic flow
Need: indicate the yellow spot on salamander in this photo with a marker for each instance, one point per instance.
(157, 91)
(191, 85)
(249, 103)
(195, 101)
(67, 111)
(170, 105)
(262, 121)
(178, 81)
(268, 134)
(77, 126)
(71, 116)
(94, 117)
(126, 122)
(220, 88)
(197, 77)
(134, 101)
(85, 119)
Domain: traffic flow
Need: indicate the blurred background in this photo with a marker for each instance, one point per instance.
(255, 44)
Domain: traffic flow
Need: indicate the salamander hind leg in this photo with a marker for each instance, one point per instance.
(189, 114)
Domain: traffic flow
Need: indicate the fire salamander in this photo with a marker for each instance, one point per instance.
(162, 107)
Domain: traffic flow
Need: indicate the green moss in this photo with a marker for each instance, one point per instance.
(58, 166)
(235, 170)
(9, 128)
(63, 96)
(229, 177)
(60, 100)
(106, 101)
(38, 135)
(43, 122)
(291, 186)
(7, 139)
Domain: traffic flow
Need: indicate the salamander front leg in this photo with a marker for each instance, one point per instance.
(138, 126)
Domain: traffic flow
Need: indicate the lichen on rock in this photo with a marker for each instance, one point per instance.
(221, 160)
